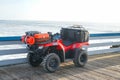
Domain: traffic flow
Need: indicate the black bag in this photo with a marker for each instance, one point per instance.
(31, 33)
(75, 34)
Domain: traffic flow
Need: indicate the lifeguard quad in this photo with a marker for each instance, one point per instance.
(50, 50)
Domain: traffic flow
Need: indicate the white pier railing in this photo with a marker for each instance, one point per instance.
(12, 51)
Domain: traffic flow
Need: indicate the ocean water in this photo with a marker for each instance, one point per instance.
(18, 28)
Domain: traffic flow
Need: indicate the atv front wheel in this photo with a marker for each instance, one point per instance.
(80, 58)
(51, 62)
(33, 59)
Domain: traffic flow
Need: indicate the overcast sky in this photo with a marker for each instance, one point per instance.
(107, 11)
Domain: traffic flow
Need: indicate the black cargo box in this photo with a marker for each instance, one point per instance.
(75, 34)
(31, 33)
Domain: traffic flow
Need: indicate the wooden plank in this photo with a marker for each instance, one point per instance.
(84, 73)
(110, 37)
(16, 72)
(103, 44)
(80, 73)
(101, 63)
(98, 76)
(5, 76)
(104, 51)
(66, 75)
(15, 46)
(13, 51)
(108, 62)
(102, 70)
(114, 68)
(94, 70)
(13, 56)
(13, 61)
(98, 72)
(73, 73)
(10, 42)
(106, 56)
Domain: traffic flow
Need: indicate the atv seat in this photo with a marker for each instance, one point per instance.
(67, 42)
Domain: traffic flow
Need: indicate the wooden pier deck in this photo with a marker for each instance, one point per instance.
(99, 67)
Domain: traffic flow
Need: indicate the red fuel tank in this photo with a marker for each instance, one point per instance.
(35, 39)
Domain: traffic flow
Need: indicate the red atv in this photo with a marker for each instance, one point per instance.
(50, 50)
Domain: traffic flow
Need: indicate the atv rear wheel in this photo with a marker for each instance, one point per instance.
(33, 59)
(51, 62)
(80, 58)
